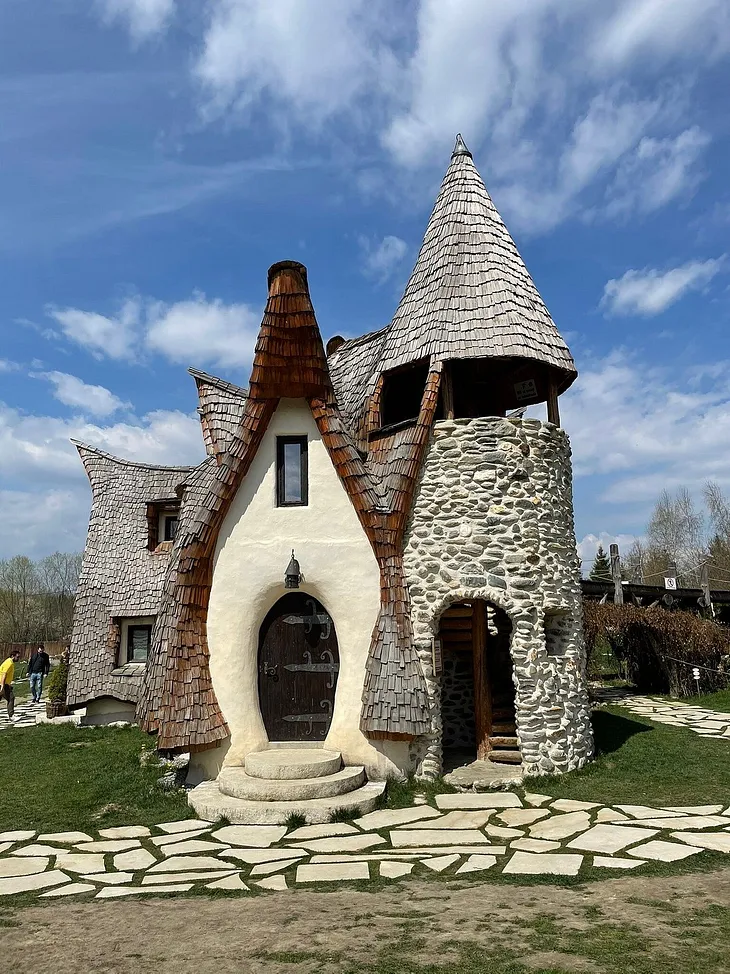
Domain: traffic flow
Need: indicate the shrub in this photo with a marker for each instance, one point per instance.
(659, 648)
(57, 683)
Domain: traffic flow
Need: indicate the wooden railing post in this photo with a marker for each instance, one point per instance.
(618, 591)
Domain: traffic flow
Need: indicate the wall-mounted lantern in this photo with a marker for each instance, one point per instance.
(293, 575)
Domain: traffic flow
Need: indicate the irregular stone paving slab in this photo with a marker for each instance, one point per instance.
(476, 864)
(109, 845)
(534, 845)
(252, 836)
(192, 845)
(546, 863)
(136, 859)
(497, 799)
(25, 884)
(4, 846)
(114, 892)
(267, 868)
(568, 805)
(71, 890)
(502, 832)
(156, 879)
(254, 856)
(369, 856)
(394, 870)
(230, 882)
(610, 838)
(65, 838)
(110, 879)
(389, 818)
(22, 867)
(561, 826)
(616, 862)
(175, 837)
(273, 882)
(183, 863)
(695, 809)
(440, 863)
(686, 822)
(80, 862)
(185, 825)
(36, 849)
(426, 837)
(717, 841)
(664, 851)
(644, 811)
(522, 816)
(320, 831)
(343, 843)
(537, 800)
(465, 850)
(336, 872)
(454, 820)
(609, 815)
(19, 835)
(125, 832)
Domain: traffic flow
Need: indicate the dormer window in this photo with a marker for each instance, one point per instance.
(402, 393)
(162, 521)
(292, 475)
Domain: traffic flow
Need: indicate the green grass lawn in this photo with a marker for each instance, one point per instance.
(58, 777)
(712, 701)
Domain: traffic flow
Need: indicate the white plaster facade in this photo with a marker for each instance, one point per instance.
(340, 570)
(493, 519)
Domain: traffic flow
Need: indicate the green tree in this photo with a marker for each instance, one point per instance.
(601, 570)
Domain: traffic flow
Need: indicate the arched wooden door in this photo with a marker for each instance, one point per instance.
(298, 665)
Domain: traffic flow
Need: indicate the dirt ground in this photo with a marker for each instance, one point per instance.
(629, 924)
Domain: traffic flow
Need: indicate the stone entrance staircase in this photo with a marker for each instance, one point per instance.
(283, 781)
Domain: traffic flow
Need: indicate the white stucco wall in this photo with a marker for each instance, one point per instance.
(340, 569)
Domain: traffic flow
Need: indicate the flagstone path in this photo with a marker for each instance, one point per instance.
(25, 714)
(464, 834)
(707, 723)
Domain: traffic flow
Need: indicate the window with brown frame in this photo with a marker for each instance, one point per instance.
(292, 476)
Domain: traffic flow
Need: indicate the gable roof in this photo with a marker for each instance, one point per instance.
(470, 294)
(220, 409)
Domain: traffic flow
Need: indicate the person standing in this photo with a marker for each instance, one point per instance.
(38, 667)
(7, 675)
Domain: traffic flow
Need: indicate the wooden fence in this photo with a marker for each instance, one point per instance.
(25, 649)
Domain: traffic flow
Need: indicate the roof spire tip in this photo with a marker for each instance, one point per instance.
(460, 148)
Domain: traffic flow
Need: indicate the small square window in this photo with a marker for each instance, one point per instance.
(139, 639)
(292, 487)
(170, 527)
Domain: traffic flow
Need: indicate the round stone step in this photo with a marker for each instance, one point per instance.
(237, 784)
(277, 764)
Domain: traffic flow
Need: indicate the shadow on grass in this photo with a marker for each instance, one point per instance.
(612, 731)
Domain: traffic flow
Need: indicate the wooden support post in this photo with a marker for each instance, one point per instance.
(553, 412)
(482, 696)
(447, 391)
(705, 586)
(618, 591)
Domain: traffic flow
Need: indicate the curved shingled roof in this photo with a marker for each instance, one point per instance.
(470, 294)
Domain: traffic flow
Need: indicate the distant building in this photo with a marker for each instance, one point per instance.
(431, 603)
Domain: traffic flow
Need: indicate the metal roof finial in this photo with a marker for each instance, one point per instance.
(460, 148)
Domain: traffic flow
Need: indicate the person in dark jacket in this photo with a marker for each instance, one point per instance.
(38, 667)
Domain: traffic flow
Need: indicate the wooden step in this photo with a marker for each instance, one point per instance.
(505, 757)
(507, 728)
(506, 741)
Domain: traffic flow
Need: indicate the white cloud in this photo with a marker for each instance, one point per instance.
(142, 17)
(203, 331)
(649, 292)
(7, 366)
(72, 391)
(588, 546)
(36, 523)
(380, 260)
(194, 332)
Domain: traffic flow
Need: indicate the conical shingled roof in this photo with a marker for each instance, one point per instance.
(470, 294)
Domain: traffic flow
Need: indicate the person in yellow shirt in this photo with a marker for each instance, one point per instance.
(7, 675)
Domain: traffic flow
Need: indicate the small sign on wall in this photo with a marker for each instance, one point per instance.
(670, 583)
(525, 390)
(437, 657)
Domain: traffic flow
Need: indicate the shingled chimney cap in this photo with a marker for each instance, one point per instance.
(282, 265)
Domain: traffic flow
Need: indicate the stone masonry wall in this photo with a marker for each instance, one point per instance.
(493, 519)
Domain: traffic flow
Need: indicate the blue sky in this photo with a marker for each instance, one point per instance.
(158, 155)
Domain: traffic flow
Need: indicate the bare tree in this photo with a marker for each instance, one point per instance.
(36, 599)
(676, 534)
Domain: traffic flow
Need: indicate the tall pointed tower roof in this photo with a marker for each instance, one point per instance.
(470, 294)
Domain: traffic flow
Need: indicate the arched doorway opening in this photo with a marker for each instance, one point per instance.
(477, 687)
(298, 664)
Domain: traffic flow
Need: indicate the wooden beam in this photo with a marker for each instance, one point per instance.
(705, 586)
(553, 412)
(618, 590)
(447, 391)
(482, 697)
